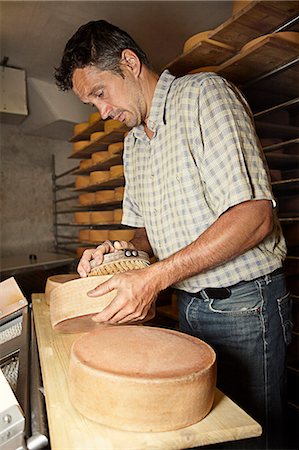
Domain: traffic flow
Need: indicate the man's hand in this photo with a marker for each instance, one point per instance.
(136, 291)
(98, 253)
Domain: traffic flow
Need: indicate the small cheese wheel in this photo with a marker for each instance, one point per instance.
(97, 236)
(80, 145)
(85, 164)
(119, 193)
(99, 157)
(111, 124)
(134, 386)
(80, 128)
(94, 117)
(117, 215)
(116, 148)
(96, 136)
(99, 176)
(117, 171)
(84, 235)
(121, 235)
(101, 217)
(82, 217)
(104, 196)
(87, 199)
(54, 281)
(82, 181)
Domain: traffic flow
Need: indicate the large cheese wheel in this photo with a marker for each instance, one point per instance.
(121, 235)
(87, 199)
(119, 193)
(99, 176)
(117, 215)
(111, 124)
(97, 135)
(117, 171)
(82, 217)
(143, 379)
(56, 280)
(82, 181)
(85, 163)
(99, 157)
(116, 148)
(104, 196)
(97, 236)
(94, 117)
(80, 145)
(99, 217)
(84, 235)
(80, 127)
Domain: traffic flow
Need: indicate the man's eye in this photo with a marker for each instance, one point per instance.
(100, 94)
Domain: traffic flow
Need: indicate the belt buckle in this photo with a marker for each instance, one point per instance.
(218, 293)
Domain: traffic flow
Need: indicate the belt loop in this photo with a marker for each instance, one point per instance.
(268, 279)
(205, 296)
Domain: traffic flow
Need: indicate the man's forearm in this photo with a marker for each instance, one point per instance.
(141, 242)
(235, 232)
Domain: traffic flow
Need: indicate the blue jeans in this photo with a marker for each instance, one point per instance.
(249, 331)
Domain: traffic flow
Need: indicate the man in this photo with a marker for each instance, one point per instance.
(198, 192)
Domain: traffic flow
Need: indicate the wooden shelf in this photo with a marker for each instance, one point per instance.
(286, 186)
(85, 135)
(258, 17)
(275, 130)
(112, 183)
(284, 144)
(113, 161)
(101, 144)
(282, 161)
(94, 226)
(99, 206)
(262, 57)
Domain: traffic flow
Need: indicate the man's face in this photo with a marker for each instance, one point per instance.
(114, 96)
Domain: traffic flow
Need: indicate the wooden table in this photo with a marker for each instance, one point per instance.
(70, 430)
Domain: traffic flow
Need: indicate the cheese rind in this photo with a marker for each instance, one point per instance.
(82, 217)
(159, 391)
(99, 176)
(94, 117)
(101, 217)
(82, 181)
(54, 281)
(97, 236)
(111, 124)
(80, 128)
(104, 196)
(84, 235)
(121, 235)
(119, 193)
(117, 215)
(97, 135)
(87, 199)
(85, 164)
(99, 157)
(80, 145)
(117, 171)
(116, 148)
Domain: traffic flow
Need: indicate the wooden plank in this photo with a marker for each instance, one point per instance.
(257, 18)
(113, 161)
(276, 130)
(101, 144)
(93, 128)
(70, 430)
(113, 182)
(285, 82)
(282, 161)
(260, 58)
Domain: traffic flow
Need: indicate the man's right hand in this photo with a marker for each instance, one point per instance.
(98, 253)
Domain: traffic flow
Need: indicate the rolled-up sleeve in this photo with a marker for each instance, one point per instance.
(234, 168)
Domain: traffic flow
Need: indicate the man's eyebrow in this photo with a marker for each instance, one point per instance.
(95, 89)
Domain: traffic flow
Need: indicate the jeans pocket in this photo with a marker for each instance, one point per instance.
(284, 305)
(242, 302)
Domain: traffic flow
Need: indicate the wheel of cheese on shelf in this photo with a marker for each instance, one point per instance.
(56, 280)
(87, 199)
(97, 135)
(111, 124)
(98, 236)
(104, 196)
(94, 117)
(119, 193)
(82, 181)
(143, 379)
(121, 235)
(82, 217)
(85, 164)
(117, 215)
(84, 235)
(200, 37)
(116, 148)
(117, 171)
(99, 176)
(101, 217)
(80, 128)
(290, 36)
(99, 157)
(80, 145)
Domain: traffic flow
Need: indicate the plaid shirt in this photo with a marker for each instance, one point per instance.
(203, 159)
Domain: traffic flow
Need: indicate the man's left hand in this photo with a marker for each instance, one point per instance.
(136, 292)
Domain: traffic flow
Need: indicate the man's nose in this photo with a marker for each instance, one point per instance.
(103, 108)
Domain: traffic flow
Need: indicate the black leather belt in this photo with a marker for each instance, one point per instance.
(225, 292)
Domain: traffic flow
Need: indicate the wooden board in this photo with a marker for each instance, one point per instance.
(113, 161)
(85, 135)
(101, 144)
(70, 430)
(112, 183)
(262, 57)
(257, 18)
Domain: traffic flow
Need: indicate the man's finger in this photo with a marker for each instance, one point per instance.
(103, 288)
(84, 265)
(108, 313)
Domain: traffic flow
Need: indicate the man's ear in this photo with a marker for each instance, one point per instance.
(131, 61)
